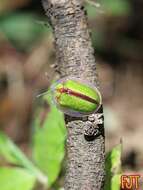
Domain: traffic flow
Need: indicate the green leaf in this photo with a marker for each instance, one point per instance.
(116, 7)
(16, 179)
(109, 7)
(22, 29)
(113, 168)
(91, 11)
(113, 160)
(6, 149)
(48, 141)
(115, 182)
(13, 155)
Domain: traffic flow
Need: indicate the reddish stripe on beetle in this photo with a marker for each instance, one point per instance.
(77, 94)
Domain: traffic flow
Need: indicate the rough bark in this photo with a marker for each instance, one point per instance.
(75, 57)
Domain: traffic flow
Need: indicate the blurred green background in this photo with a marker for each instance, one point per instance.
(32, 131)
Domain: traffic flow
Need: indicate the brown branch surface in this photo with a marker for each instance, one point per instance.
(75, 56)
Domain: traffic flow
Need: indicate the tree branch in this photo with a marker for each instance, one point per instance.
(75, 56)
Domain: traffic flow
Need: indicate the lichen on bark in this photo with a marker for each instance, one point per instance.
(75, 57)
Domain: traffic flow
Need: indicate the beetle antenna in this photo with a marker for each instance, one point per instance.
(42, 94)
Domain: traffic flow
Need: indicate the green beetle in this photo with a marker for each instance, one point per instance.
(75, 98)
